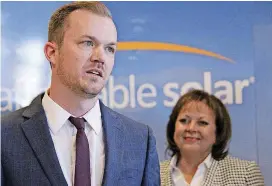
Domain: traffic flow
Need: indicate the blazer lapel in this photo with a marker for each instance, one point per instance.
(113, 139)
(209, 178)
(167, 177)
(37, 132)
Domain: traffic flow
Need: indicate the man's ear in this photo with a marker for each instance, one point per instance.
(50, 51)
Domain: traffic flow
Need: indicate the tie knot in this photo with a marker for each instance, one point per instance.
(77, 122)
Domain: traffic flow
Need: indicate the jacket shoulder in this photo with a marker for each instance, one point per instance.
(235, 163)
(12, 119)
(239, 169)
(128, 122)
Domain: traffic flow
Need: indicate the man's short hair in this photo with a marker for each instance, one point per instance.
(58, 21)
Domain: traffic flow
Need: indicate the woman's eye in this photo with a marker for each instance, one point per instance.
(183, 120)
(203, 123)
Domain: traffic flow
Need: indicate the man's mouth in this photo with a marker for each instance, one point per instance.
(95, 72)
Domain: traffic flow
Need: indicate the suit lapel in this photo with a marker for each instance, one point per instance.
(114, 142)
(167, 177)
(37, 132)
(209, 178)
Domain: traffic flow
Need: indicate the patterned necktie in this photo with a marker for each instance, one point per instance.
(82, 167)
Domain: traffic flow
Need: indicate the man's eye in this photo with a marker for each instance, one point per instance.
(110, 49)
(88, 43)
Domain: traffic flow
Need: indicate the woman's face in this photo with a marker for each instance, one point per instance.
(195, 129)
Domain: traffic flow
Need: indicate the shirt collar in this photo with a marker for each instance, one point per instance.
(93, 118)
(207, 162)
(57, 116)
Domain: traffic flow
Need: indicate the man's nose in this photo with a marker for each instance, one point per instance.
(98, 55)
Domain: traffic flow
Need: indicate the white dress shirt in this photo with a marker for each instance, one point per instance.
(198, 178)
(63, 133)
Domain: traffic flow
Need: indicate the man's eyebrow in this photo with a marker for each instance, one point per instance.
(112, 43)
(96, 40)
(89, 37)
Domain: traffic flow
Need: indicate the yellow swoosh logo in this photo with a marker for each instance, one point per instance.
(131, 45)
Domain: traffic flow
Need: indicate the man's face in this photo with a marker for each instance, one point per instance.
(86, 56)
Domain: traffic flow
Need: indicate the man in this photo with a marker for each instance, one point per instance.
(66, 136)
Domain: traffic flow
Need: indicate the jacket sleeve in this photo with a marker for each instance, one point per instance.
(152, 167)
(254, 176)
(2, 176)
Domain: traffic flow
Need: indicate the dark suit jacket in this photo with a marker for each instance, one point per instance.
(29, 157)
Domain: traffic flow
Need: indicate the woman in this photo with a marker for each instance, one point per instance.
(198, 134)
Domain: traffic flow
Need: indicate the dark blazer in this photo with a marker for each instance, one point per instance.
(28, 156)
